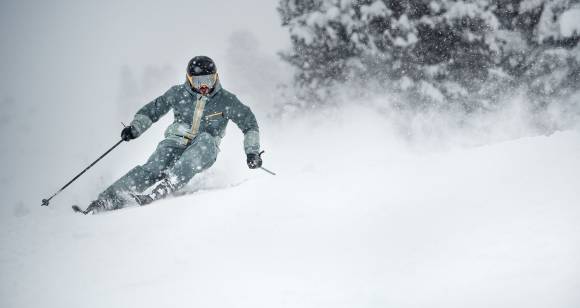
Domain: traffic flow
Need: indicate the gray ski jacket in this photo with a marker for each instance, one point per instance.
(195, 114)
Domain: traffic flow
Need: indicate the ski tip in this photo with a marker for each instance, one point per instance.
(77, 209)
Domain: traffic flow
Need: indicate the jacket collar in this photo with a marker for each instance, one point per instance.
(216, 90)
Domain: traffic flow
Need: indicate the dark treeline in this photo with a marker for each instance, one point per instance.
(448, 54)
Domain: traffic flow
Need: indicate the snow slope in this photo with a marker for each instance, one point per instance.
(356, 217)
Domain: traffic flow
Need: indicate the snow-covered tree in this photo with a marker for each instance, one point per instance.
(438, 51)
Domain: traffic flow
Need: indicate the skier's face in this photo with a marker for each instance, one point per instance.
(203, 84)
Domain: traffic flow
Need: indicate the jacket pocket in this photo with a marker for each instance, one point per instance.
(178, 129)
(214, 116)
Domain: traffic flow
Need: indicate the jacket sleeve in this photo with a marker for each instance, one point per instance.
(151, 113)
(246, 121)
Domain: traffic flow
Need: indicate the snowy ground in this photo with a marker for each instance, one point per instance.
(355, 218)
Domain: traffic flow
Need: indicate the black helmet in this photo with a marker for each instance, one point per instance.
(201, 65)
(202, 74)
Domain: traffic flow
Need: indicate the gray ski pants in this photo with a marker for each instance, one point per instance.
(173, 159)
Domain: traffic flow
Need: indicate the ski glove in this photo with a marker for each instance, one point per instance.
(127, 133)
(254, 160)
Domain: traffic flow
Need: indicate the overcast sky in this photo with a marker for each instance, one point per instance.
(59, 42)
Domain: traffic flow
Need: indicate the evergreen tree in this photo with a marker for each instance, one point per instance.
(438, 52)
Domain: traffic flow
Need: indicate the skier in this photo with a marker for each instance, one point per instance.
(202, 109)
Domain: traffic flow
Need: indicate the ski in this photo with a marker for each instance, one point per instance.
(77, 209)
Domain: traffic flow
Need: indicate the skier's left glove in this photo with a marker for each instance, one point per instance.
(254, 160)
(127, 133)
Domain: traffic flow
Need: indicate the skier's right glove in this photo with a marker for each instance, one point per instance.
(254, 160)
(127, 133)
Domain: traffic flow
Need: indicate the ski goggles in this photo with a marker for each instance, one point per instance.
(197, 82)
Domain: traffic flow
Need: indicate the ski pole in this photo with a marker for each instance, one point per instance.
(270, 172)
(45, 201)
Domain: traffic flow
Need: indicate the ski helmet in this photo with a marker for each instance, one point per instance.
(202, 74)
